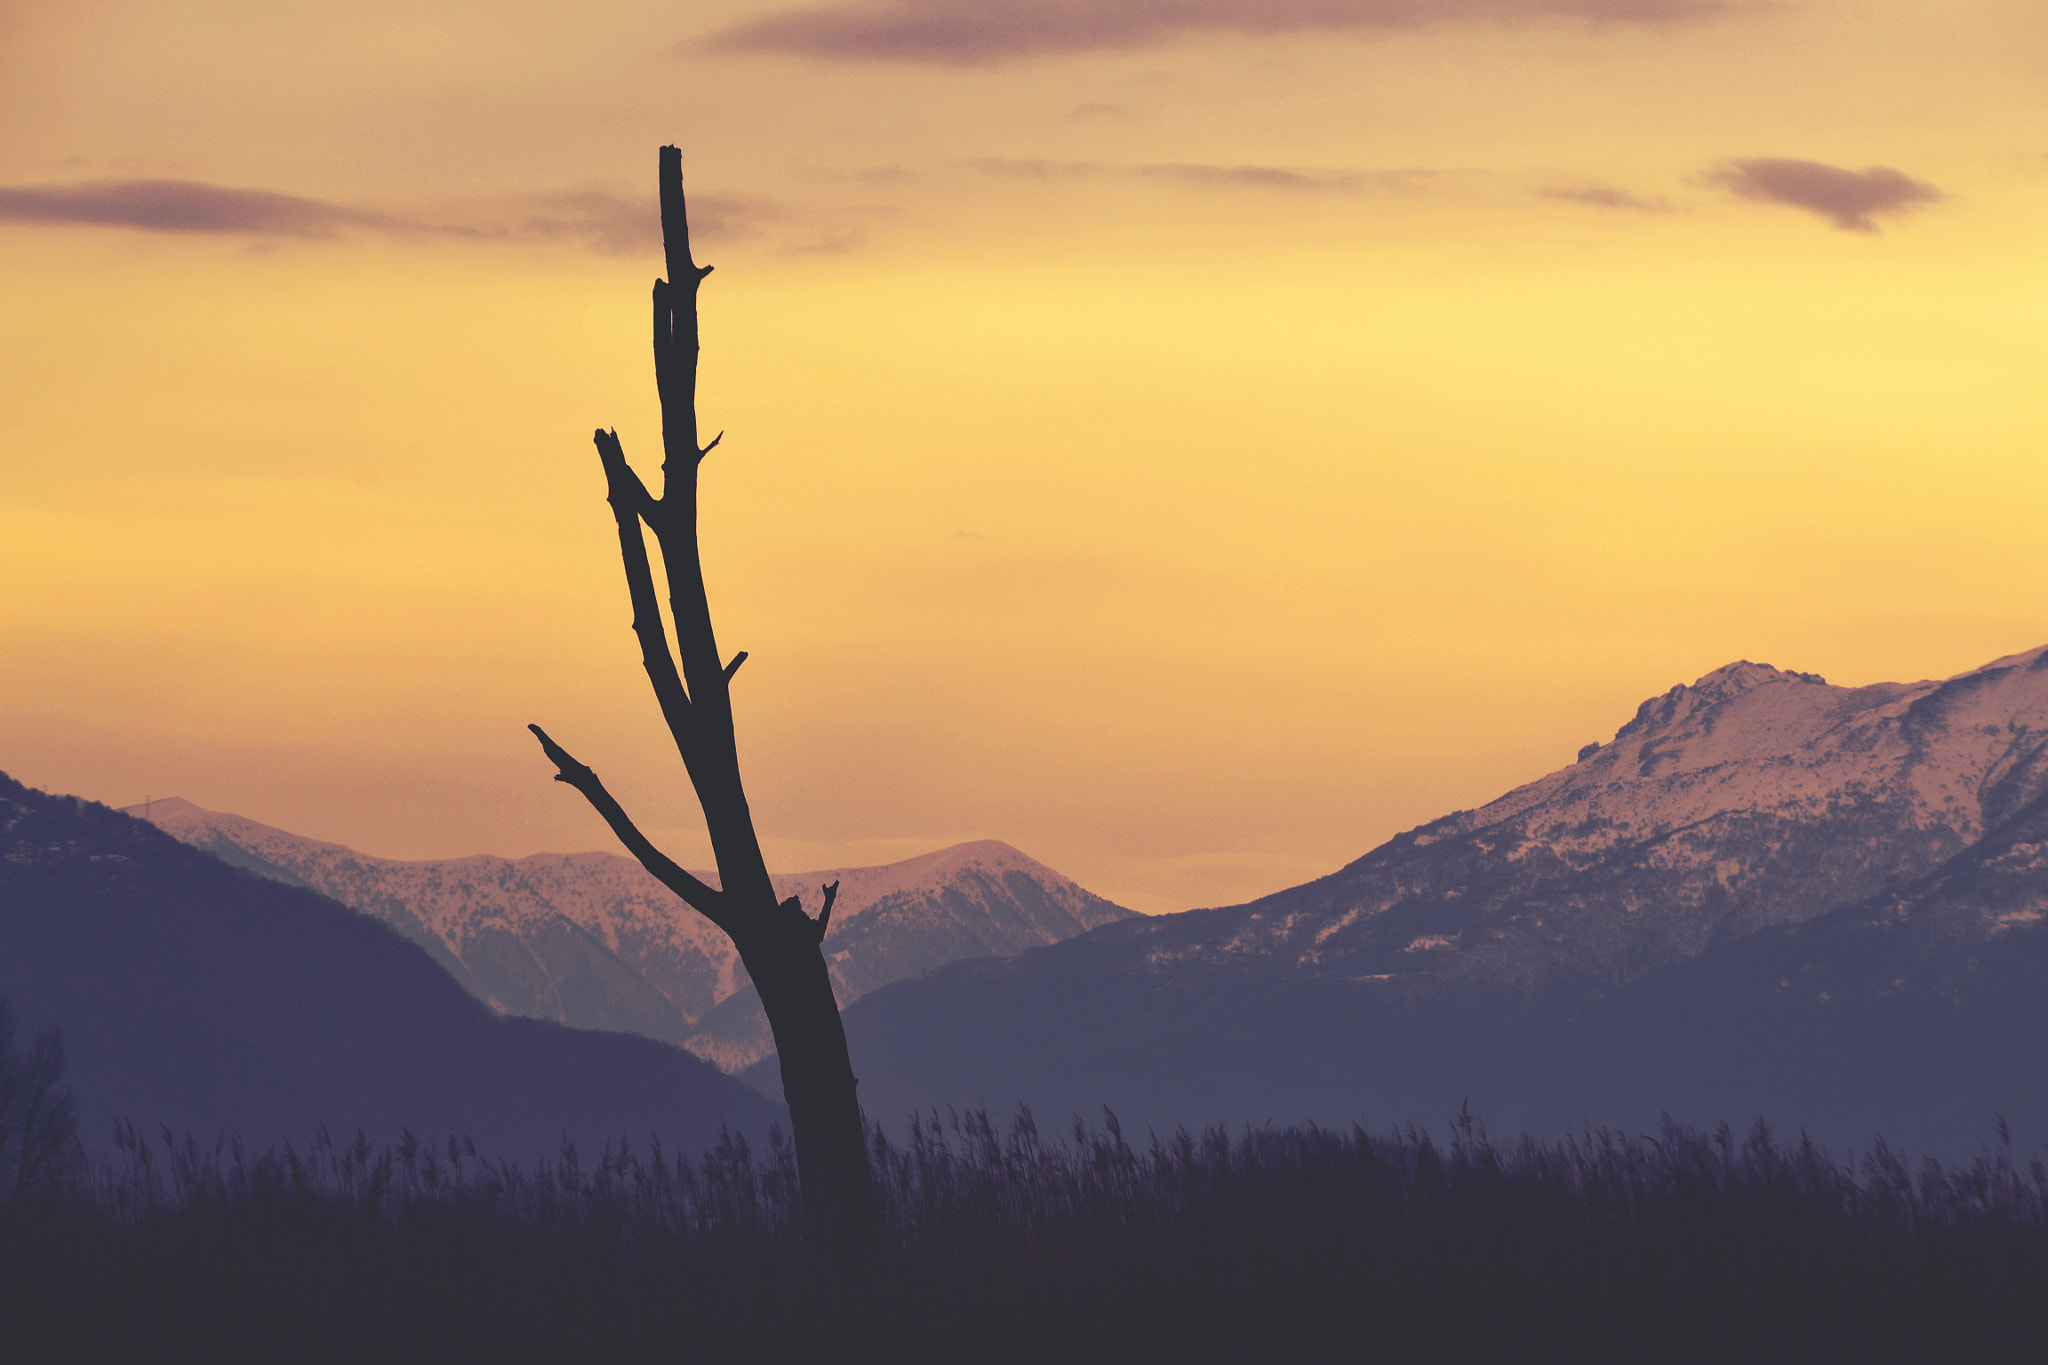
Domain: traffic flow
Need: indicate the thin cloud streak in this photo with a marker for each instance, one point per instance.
(1281, 178)
(608, 224)
(1121, 113)
(616, 225)
(980, 32)
(1849, 199)
(1606, 197)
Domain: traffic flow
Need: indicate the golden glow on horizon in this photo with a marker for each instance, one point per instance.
(1193, 535)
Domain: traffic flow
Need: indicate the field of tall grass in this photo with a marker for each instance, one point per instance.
(1003, 1244)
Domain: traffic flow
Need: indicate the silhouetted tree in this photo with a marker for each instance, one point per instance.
(778, 942)
(38, 1122)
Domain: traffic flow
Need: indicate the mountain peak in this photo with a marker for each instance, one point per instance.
(1724, 684)
(162, 807)
(1742, 675)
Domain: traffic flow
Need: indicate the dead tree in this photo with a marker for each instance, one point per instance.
(778, 942)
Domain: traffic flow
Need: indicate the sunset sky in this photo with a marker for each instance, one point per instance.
(1191, 440)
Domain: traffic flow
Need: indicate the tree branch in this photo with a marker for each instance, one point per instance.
(630, 502)
(706, 900)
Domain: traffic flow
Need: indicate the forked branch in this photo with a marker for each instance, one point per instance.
(825, 915)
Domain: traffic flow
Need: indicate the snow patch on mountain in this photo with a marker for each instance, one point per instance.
(1752, 738)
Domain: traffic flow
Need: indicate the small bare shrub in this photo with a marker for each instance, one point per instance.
(38, 1122)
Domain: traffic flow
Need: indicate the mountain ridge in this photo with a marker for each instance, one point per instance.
(593, 940)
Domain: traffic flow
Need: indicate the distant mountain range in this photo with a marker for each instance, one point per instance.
(195, 996)
(591, 940)
(1767, 895)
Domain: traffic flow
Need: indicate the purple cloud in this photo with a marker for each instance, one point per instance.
(1848, 199)
(182, 206)
(969, 32)
(601, 222)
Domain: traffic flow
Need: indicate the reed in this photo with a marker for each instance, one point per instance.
(1000, 1243)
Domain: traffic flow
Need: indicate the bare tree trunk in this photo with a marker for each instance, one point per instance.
(779, 943)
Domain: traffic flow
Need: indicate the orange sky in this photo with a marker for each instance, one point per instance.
(1191, 443)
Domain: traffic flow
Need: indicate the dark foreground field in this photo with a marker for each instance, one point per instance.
(1009, 1246)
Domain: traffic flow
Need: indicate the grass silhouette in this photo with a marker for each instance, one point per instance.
(1001, 1244)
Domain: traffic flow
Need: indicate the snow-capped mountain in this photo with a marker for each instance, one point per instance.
(590, 939)
(1765, 895)
(1754, 797)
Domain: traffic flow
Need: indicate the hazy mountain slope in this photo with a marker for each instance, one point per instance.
(592, 940)
(194, 995)
(1473, 956)
(1923, 1009)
